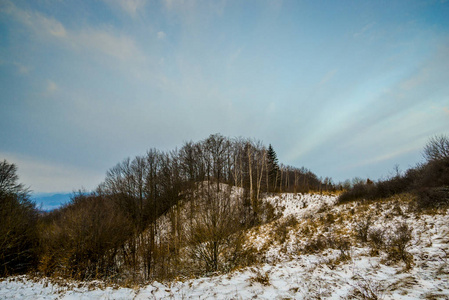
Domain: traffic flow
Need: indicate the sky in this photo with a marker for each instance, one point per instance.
(344, 88)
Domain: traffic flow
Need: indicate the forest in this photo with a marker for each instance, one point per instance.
(184, 213)
(155, 216)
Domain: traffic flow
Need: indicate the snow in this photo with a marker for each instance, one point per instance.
(288, 273)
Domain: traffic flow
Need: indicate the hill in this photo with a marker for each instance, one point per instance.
(314, 249)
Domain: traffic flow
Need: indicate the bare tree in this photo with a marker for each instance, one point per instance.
(214, 236)
(437, 148)
(9, 180)
(18, 224)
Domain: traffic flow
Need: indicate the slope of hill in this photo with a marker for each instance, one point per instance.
(315, 249)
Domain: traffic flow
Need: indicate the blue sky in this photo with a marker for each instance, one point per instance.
(344, 88)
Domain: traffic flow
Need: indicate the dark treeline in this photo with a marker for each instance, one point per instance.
(429, 181)
(159, 215)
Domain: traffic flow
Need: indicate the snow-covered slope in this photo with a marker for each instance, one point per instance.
(294, 267)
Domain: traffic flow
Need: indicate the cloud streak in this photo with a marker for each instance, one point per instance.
(130, 7)
(99, 41)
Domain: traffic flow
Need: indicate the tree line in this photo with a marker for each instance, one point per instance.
(428, 181)
(157, 215)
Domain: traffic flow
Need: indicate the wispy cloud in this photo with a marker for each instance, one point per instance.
(51, 86)
(119, 46)
(22, 68)
(104, 41)
(161, 35)
(446, 110)
(38, 23)
(130, 7)
(329, 75)
(382, 158)
(234, 56)
(364, 30)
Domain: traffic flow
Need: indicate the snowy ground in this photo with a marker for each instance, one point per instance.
(290, 273)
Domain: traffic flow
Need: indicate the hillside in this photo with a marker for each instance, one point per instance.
(314, 249)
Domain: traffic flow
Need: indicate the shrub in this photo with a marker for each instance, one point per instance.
(365, 289)
(283, 228)
(376, 239)
(362, 227)
(433, 198)
(358, 191)
(434, 174)
(315, 245)
(321, 242)
(398, 243)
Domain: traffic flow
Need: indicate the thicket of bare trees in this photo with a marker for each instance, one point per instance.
(162, 214)
(85, 239)
(18, 218)
(428, 180)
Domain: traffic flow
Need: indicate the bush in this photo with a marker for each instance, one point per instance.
(433, 174)
(361, 229)
(315, 245)
(398, 243)
(366, 289)
(283, 228)
(358, 191)
(433, 198)
(376, 240)
(321, 242)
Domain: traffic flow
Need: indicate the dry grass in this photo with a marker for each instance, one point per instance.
(260, 277)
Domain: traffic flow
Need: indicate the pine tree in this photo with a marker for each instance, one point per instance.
(273, 168)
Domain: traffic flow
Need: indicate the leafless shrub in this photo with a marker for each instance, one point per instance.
(362, 228)
(429, 198)
(376, 239)
(365, 289)
(321, 242)
(397, 244)
(283, 228)
(315, 244)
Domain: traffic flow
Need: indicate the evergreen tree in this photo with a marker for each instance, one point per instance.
(273, 168)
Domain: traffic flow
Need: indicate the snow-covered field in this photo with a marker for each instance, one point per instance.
(289, 272)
